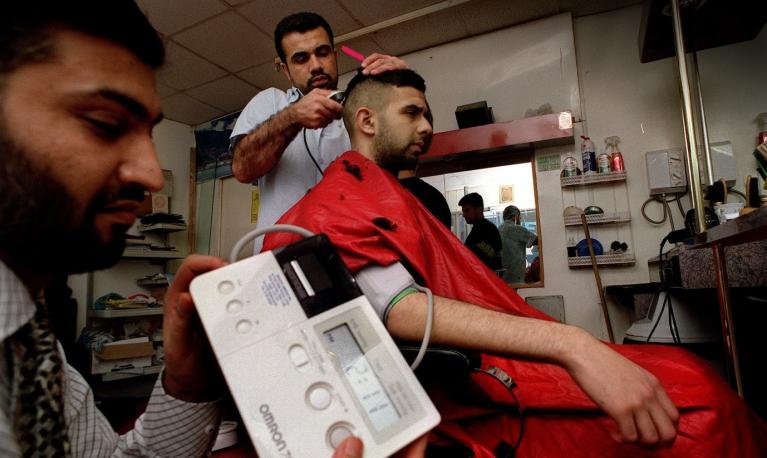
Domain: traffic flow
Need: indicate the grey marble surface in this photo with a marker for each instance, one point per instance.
(746, 266)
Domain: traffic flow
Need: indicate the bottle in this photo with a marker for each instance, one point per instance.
(570, 167)
(761, 120)
(589, 156)
(616, 158)
(603, 163)
(572, 251)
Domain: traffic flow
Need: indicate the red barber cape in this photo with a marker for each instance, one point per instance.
(372, 220)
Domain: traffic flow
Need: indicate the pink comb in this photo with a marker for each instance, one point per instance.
(352, 53)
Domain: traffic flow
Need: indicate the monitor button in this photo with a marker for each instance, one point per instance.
(299, 358)
(338, 432)
(319, 396)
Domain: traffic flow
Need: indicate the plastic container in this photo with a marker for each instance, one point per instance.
(603, 163)
(569, 167)
(761, 120)
(588, 152)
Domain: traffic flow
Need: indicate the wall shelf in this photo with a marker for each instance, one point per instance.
(161, 227)
(125, 313)
(132, 253)
(602, 218)
(130, 373)
(612, 259)
(537, 131)
(585, 180)
(144, 283)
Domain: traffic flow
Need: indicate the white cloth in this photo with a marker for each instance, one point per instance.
(168, 427)
(295, 173)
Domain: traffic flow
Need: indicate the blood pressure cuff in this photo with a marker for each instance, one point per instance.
(385, 286)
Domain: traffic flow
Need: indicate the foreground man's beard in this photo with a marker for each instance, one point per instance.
(39, 226)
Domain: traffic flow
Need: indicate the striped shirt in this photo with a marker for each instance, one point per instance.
(168, 427)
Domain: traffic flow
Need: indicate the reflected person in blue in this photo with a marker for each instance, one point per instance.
(515, 240)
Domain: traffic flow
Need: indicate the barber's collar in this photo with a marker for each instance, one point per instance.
(293, 94)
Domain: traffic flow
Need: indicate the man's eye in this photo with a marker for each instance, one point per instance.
(322, 51)
(110, 129)
(300, 58)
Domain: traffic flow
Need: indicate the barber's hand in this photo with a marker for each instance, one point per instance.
(191, 372)
(315, 110)
(629, 394)
(352, 448)
(378, 63)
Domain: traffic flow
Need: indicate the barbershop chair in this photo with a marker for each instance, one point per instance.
(450, 370)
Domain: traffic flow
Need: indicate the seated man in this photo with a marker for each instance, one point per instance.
(580, 396)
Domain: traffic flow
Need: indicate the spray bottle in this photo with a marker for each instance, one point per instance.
(616, 158)
(761, 120)
(588, 153)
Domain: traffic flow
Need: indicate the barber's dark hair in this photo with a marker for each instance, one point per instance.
(473, 200)
(26, 28)
(299, 22)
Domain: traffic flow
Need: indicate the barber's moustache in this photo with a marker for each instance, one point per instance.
(131, 192)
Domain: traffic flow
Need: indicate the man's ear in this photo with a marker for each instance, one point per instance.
(365, 120)
(282, 67)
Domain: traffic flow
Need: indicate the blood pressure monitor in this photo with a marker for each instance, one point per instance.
(306, 358)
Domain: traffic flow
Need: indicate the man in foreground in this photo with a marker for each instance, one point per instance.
(566, 380)
(77, 107)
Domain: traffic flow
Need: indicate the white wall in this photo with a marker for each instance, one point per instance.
(513, 69)
(173, 141)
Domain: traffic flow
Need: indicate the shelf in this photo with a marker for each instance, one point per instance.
(151, 254)
(544, 130)
(602, 218)
(161, 227)
(125, 313)
(130, 373)
(616, 259)
(746, 228)
(585, 180)
(151, 283)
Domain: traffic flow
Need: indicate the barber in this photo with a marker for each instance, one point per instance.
(286, 139)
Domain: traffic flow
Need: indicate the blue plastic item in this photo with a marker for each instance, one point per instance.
(583, 247)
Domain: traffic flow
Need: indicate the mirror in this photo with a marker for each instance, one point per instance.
(500, 186)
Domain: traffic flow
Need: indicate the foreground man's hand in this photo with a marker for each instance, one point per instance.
(353, 448)
(191, 372)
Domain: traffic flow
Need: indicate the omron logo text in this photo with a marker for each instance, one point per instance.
(274, 430)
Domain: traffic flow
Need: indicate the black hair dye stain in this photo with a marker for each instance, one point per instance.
(353, 169)
(384, 223)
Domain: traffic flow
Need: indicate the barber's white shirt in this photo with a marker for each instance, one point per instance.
(295, 173)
